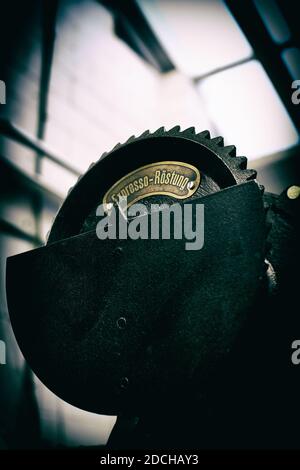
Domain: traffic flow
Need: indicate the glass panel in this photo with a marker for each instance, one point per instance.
(199, 36)
(248, 111)
(56, 178)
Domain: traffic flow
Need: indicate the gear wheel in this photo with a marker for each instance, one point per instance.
(218, 164)
(145, 328)
(113, 325)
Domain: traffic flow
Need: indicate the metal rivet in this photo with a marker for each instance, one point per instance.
(124, 382)
(191, 184)
(121, 323)
(293, 192)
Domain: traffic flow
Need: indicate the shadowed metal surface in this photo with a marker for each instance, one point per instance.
(66, 300)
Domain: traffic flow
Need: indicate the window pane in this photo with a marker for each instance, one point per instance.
(101, 93)
(247, 110)
(56, 178)
(199, 36)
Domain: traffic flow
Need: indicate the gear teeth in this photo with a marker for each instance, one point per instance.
(227, 154)
(230, 150)
(144, 134)
(131, 138)
(219, 141)
(204, 134)
(265, 266)
(91, 165)
(190, 130)
(236, 163)
(160, 131)
(250, 175)
(174, 130)
(242, 162)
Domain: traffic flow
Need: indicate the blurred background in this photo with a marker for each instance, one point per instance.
(77, 77)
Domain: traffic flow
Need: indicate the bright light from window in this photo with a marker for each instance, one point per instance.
(247, 110)
(199, 36)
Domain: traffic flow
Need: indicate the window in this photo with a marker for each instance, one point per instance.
(199, 36)
(246, 109)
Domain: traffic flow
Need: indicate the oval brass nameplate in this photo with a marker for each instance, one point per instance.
(177, 179)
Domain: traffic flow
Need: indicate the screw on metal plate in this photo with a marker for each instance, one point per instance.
(121, 323)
